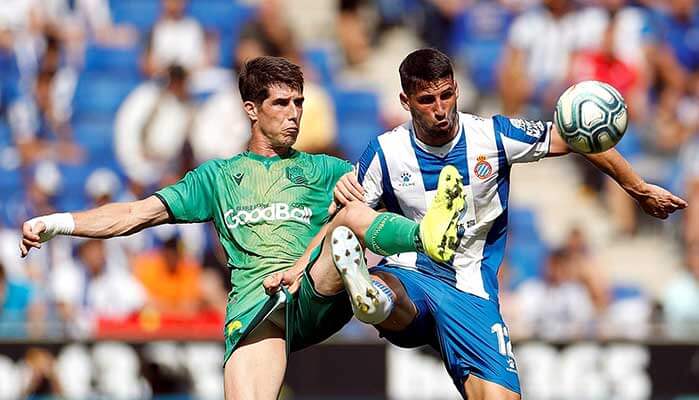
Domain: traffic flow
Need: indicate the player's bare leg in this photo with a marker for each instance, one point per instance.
(255, 370)
(357, 217)
(480, 389)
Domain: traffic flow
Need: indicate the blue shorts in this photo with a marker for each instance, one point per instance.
(467, 330)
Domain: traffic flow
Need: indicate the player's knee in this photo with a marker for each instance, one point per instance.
(356, 216)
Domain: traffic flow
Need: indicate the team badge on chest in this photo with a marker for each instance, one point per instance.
(483, 169)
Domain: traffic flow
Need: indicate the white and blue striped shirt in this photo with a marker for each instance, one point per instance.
(399, 171)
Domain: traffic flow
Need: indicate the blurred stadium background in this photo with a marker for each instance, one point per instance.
(106, 100)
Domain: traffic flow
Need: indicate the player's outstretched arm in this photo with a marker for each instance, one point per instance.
(654, 200)
(110, 220)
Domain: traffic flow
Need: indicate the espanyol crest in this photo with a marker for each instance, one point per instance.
(483, 169)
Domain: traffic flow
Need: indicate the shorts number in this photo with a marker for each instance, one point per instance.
(504, 344)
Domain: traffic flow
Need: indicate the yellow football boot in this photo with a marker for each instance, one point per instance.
(439, 227)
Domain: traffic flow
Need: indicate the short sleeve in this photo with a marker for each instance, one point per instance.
(523, 140)
(190, 199)
(337, 168)
(370, 175)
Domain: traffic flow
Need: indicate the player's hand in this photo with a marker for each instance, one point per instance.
(347, 189)
(291, 278)
(30, 237)
(658, 202)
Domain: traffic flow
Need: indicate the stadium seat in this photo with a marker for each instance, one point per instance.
(5, 134)
(478, 39)
(102, 93)
(526, 251)
(323, 61)
(358, 121)
(220, 15)
(139, 13)
(113, 60)
(93, 133)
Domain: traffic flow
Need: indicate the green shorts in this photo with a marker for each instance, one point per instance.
(310, 317)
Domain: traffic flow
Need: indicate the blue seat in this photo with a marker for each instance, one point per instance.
(323, 62)
(121, 60)
(358, 121)
(102, 93)
(522, 222)
(221, 15)
(477, 41)
(96, 137)
(140, 13)
(526, 260)
(5, 134)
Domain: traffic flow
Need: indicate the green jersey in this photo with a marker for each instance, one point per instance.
(266, 210)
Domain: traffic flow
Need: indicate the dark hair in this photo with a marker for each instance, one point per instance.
(261, 73)
(176, 73)
(423, 66)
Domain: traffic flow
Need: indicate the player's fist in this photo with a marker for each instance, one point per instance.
(291, 278)
(347, 189)
(658, 202)
(33, 233)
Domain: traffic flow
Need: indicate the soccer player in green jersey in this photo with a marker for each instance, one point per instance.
(270, 207)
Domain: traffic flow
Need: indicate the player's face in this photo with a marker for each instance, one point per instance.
(433, 109)
(279, 116)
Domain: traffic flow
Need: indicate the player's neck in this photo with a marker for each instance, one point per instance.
(260, 146)
(436, 141)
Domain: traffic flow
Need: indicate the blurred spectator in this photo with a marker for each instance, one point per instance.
(541, 42)
(559, 306)
(43, 189)
(318, 130)
(373, 65)
(20, 311)
(40, 378)
(171, 278)
(690, 170)
(175, 39)
(94, 17)
(41, 123)
(676, 54)
(681, 298)
(613, 63)
(268, 34)
(151, 128)
(220, 129)
(94, 289)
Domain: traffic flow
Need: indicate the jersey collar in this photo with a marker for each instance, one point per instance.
(270, 160)
(439, 151)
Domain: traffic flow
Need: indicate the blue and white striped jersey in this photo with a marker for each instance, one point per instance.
(400, 172)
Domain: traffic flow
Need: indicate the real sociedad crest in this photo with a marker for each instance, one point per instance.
(483, 169)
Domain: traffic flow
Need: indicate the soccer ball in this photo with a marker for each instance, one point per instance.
(591, 116)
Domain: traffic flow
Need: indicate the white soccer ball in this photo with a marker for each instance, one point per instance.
(591, 116)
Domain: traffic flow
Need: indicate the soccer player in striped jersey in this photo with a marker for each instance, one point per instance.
(453, 306)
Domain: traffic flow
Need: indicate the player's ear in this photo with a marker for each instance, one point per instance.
(251, 110)
(404, 101)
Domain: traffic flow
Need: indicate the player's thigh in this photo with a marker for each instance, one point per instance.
(480, 389)
(255, 370)
(474, 342)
